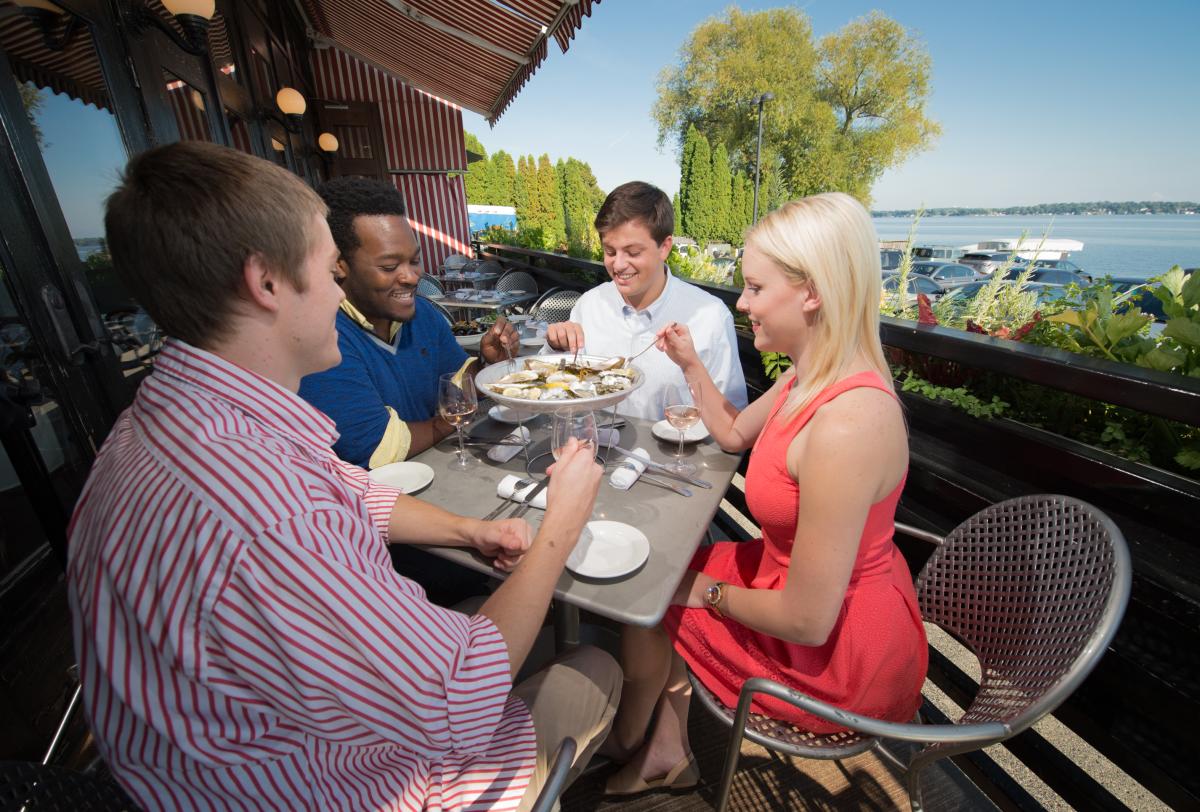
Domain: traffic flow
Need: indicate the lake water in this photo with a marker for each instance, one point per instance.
(1120, 245)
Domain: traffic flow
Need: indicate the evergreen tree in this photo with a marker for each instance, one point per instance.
(683, 215)
(678, 214)
(475, 181)
(546, 203)
(722, 187)
(504, 177)
(523, 191)
(578, 186)
(738, 220)
(698, 195)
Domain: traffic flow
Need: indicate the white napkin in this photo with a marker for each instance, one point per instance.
(505, 490)
(504, 453)
(608, 437)
(628, 471)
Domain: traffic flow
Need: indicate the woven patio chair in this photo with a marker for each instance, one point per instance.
(554, 306)
(446, 314)
(1034, 587)
(556, 780)
(429, 287)
(41, 788)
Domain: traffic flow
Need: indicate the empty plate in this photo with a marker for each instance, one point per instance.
(503, 414)
(609, 550)
(669, 434)
(408, 476)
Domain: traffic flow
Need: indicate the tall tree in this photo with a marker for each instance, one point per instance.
(504, 178)
(579, 209)
(688, 152)
(476, 179)
(696, 192)
(546, 203)
(524, 189)
(841, 114)
(737, 209)
(722, 187)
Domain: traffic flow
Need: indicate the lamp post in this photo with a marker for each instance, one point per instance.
(765, 97)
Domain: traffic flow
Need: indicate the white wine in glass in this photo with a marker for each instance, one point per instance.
(456, 403)
(681, 407)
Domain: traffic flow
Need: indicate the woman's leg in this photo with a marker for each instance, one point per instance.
(646, 662)
(667, 745)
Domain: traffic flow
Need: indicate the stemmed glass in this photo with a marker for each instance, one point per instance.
(456, 403)
(681, 406)
(567, 424)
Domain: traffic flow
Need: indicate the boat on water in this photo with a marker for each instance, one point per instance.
(1029, 248)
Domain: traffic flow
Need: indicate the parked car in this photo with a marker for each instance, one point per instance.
(947, 274)
(1050, 276)
(889, 258)
(944, 252)
(916, 284)
(986, 262)
(1060, 265)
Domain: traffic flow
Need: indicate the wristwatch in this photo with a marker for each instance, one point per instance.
(714, 595)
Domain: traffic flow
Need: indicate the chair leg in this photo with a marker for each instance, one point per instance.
(913, 779)
(735, 750)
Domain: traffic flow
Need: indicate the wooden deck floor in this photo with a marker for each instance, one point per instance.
(767, 781)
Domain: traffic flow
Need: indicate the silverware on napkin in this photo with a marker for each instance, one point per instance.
(659, 468)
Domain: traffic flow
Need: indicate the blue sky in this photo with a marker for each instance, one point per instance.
(1039, 101)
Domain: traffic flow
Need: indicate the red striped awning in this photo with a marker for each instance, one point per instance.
(475, 53)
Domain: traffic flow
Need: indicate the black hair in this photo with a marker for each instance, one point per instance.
(351, 197)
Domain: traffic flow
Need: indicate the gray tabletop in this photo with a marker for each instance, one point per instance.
(674, 524)
(506, 300)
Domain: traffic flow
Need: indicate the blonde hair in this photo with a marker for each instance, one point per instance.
(829, 242)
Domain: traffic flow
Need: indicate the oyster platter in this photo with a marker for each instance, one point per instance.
(545, 383)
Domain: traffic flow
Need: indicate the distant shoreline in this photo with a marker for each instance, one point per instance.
(1104, 207)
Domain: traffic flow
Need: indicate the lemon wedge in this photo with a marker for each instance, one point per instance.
(462, 370)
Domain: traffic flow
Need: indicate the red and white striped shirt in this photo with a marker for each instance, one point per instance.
(243, 639)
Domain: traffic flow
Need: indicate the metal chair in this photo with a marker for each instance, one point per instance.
(445, 313)
(517, 280)
(41, 788)
(556, 781)
(1034, 587)
(429, 287)
(554, 305)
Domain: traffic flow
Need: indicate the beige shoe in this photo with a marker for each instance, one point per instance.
(626, 781)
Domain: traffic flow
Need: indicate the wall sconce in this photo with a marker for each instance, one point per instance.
(328, 143)
(193, 17)
(292, 104)
(45, 17)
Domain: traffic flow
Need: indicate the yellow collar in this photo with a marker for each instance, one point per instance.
(361, 320)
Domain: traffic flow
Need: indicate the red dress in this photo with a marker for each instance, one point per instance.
(875, 658)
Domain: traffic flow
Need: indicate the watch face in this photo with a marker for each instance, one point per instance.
(712, 594)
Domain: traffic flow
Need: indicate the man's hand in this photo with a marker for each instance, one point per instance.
(506, 541)
(500, 335)
(565, 336)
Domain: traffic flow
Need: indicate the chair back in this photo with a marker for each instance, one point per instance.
(1035, 587)
(445, 313)
(555, 305)
(556, 779)
(52, 789)
(428, 286)
(517, 280)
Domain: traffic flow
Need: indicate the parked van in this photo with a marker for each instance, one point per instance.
(946, 252)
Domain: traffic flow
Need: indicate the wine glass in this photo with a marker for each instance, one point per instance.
(456, 403)
(567, 423)
(681, 406)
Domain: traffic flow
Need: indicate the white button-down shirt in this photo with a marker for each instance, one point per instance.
(613, 327)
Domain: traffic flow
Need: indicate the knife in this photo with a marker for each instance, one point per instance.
(527, 502)
(659, 468)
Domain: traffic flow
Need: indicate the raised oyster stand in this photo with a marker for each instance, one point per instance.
(537, 448)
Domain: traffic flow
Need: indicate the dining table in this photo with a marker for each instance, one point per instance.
(675, 525)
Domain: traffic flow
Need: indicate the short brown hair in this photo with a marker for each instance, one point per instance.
(185, 219)
(637, 200)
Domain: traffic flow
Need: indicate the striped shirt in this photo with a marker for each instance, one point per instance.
(243, 639)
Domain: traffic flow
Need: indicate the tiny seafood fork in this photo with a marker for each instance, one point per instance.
(507, 501)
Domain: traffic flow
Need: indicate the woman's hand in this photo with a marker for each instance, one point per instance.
(676, 341)
(691, 589)
(505, 541)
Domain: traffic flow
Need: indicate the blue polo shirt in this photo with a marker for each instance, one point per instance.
(375, 374)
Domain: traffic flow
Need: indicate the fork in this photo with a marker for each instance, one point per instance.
(520, 485)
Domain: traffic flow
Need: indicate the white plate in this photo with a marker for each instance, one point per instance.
(409, 476)
(668, 433)
(471, 340)
(609, 550)
(490, 374)
(505, 414)
(532, 341)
